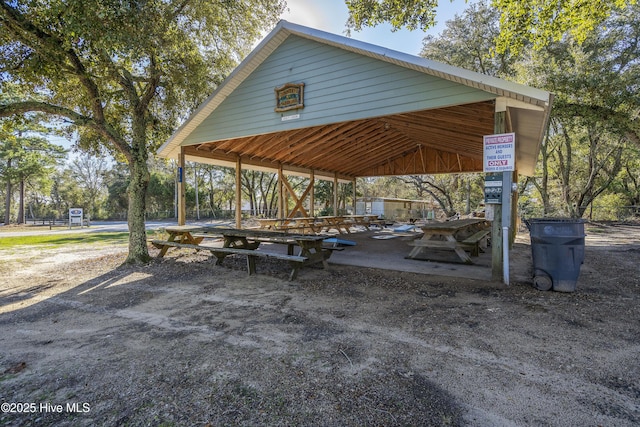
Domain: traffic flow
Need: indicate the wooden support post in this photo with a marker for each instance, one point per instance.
(238, 193)
(182, 208)
(281, 213)
(354, 197)
(312, 195)
(515, 220)
(497, 260)
(335, 195)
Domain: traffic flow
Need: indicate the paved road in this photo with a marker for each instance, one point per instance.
(99, 226)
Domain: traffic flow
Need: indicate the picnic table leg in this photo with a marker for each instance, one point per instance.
(461, 252)
(417, 250)
(295, 266)
(315, 252)
(251, 264)
(239, 243)
(219, 257)
(165, 248)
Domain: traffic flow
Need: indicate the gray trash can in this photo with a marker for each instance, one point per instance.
(557, 246)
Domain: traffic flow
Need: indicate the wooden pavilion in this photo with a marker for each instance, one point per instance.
(309, 103)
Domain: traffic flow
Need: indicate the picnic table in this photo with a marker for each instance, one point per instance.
(365, 220)
(458, 236)
(316, 224)
(246, 242)
(328, 222)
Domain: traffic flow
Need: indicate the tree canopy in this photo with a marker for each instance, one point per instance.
(121, 73)
(538, 21)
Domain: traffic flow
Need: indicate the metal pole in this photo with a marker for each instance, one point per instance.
(505, 250)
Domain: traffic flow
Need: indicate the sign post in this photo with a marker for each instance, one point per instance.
(500, 162)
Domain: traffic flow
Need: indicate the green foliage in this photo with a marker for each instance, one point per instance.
(412, 14)
(592, 149)
(542, 22)
(535, 22)
(594, 122)
(26, 156)
(468, 42)
(122, 73)
(117, 180)
(100, 63)
(65, 193)
(89, 173)
(610, 207)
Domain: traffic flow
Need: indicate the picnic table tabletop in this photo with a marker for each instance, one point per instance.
(449, 226)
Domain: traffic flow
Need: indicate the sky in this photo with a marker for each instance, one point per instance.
(331, 16)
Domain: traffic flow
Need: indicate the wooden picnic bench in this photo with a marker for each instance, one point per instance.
(477, 242)
(246, 242)
(295, 261)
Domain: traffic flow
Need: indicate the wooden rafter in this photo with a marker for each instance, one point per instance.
(422, 142)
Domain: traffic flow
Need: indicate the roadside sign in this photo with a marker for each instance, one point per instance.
(499, 152)
(75, 217)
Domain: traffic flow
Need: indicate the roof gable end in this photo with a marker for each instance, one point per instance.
(273, 49)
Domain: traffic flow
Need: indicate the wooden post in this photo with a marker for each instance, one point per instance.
(515, 220)
(312, 197)
(497, 261)
(281, 213)
(182, 208)
(335, 195)
(354, 197)
(238, 193)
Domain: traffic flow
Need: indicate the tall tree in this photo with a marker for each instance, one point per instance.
(123, 72)
(536, 21)
(595, 117)
(25, 154)
(90, 172)
(468, 41)
(65, 193)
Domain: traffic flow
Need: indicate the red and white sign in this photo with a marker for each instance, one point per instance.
(500, 152)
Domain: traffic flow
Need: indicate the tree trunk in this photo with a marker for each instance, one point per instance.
(7, 203)
(137, 191)
(467, 207)
(20, 218)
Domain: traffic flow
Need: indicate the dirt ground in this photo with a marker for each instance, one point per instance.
(85, 341)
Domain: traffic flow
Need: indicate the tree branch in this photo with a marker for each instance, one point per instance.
(76, 118)
(48, 44)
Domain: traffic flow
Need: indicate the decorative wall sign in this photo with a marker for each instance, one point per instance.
(289, 96)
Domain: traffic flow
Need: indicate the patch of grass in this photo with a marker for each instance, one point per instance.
(595, 230)
(65, 239)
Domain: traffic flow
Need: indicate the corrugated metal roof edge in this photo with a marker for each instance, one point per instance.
(284, 29)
